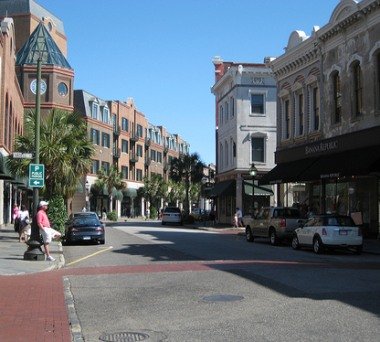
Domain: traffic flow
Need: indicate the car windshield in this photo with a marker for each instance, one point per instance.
(340, 221)
(86, 221)
(172, 210)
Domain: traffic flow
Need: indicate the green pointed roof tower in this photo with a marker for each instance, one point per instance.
(40, 43)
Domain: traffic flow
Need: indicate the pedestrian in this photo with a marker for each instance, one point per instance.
(48, 233)
(24, 229)
(84, 209)
(15, 217)
(104, 214)
(239, 218)
(147, 213)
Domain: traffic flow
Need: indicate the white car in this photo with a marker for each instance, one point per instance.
(328, 231)
(171, 215)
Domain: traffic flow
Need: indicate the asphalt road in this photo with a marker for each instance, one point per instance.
(154, 283)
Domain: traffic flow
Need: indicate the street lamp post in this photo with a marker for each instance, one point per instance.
(87, 186)
(253, 173)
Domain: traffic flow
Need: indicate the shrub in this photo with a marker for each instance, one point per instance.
(153, 212)
(57, 213)
(112, 216)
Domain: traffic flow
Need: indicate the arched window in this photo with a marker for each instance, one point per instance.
(226, 152)
(337, 98)
(357, 88)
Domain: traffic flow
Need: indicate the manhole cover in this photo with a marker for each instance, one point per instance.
(124, 337)
(222, 298)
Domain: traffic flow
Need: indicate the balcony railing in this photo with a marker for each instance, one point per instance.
(116, 130)
(133, 157)
(148, 161)
(116, 152)
(148, 141)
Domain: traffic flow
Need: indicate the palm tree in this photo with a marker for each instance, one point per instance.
(112, 181)
(65, 150)
(153, 189)
(187, 169)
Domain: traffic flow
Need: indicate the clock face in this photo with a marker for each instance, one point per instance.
(33, 86)
(62, 89)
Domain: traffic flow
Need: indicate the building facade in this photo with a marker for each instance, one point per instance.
(245, 119)
(123, 137)
(328, 115)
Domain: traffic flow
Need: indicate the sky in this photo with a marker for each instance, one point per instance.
(159, 52)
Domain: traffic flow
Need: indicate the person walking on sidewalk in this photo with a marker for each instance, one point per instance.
(48, 233)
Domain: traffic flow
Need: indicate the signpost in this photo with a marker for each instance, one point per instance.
(36, 175)
(22, 155)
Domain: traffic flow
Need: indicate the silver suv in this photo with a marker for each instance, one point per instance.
(277, 223)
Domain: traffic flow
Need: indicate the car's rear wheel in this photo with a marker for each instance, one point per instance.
(248, 234)
(295, 242)
(358, 250)
(163, 223)
(102, 242)
(273, 237)
(317, 245)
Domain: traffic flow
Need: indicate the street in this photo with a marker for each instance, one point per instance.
(155, 283)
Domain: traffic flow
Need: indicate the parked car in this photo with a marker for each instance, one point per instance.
(200, 214)
(329, 231)
(171, 215)
(277, 223)
(84, 226)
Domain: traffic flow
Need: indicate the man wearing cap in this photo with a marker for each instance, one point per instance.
(46, 231)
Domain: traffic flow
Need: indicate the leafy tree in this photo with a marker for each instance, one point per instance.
(57, 213)
(65, 150)
(187, 169)
(112, 181)
(153, 189)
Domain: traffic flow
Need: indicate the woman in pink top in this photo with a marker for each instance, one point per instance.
(46, 231)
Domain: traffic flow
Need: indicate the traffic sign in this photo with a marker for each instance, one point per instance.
(36, 175)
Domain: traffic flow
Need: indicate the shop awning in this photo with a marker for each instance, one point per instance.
(287, 172)
(259, 190)
(130, 192)
(350, 163)
(225, 188)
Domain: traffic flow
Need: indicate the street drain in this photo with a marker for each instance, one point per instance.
(222, 298)
(124, 337)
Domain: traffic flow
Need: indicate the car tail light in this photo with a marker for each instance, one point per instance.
(283, 223)
(74, 229)
(360, 232)
(324, 232)
(99, 229)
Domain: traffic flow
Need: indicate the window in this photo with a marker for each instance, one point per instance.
(95, 136)
(257, 150)
(94, 112)
(257, 103)
(62, 89)
(95, 166)
(124, 124)
(227, 111)
(153, 155)
(232, 107)
(106, 167)
(139, 131)
(105, 115)
(315, 107)
(139, 151)
(105, 140)
(159, 157)
(378, 80)
(221, 115)
(337, 98)
(234, 149)
(124, 172)
(124, 146)
(139, 175)
(287, 119)
(358, 89)
(300, 114)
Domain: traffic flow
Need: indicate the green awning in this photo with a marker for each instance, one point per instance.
(225, 188)
(259, 190)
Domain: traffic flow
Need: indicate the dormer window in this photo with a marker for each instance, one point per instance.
(105, 115)
(94, 110)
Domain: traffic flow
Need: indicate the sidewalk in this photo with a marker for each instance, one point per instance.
(12, 255)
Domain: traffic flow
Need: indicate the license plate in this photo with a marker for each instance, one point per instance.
(86, 238)
(343, 232)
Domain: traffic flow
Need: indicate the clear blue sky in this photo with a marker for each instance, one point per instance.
(160, 51)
